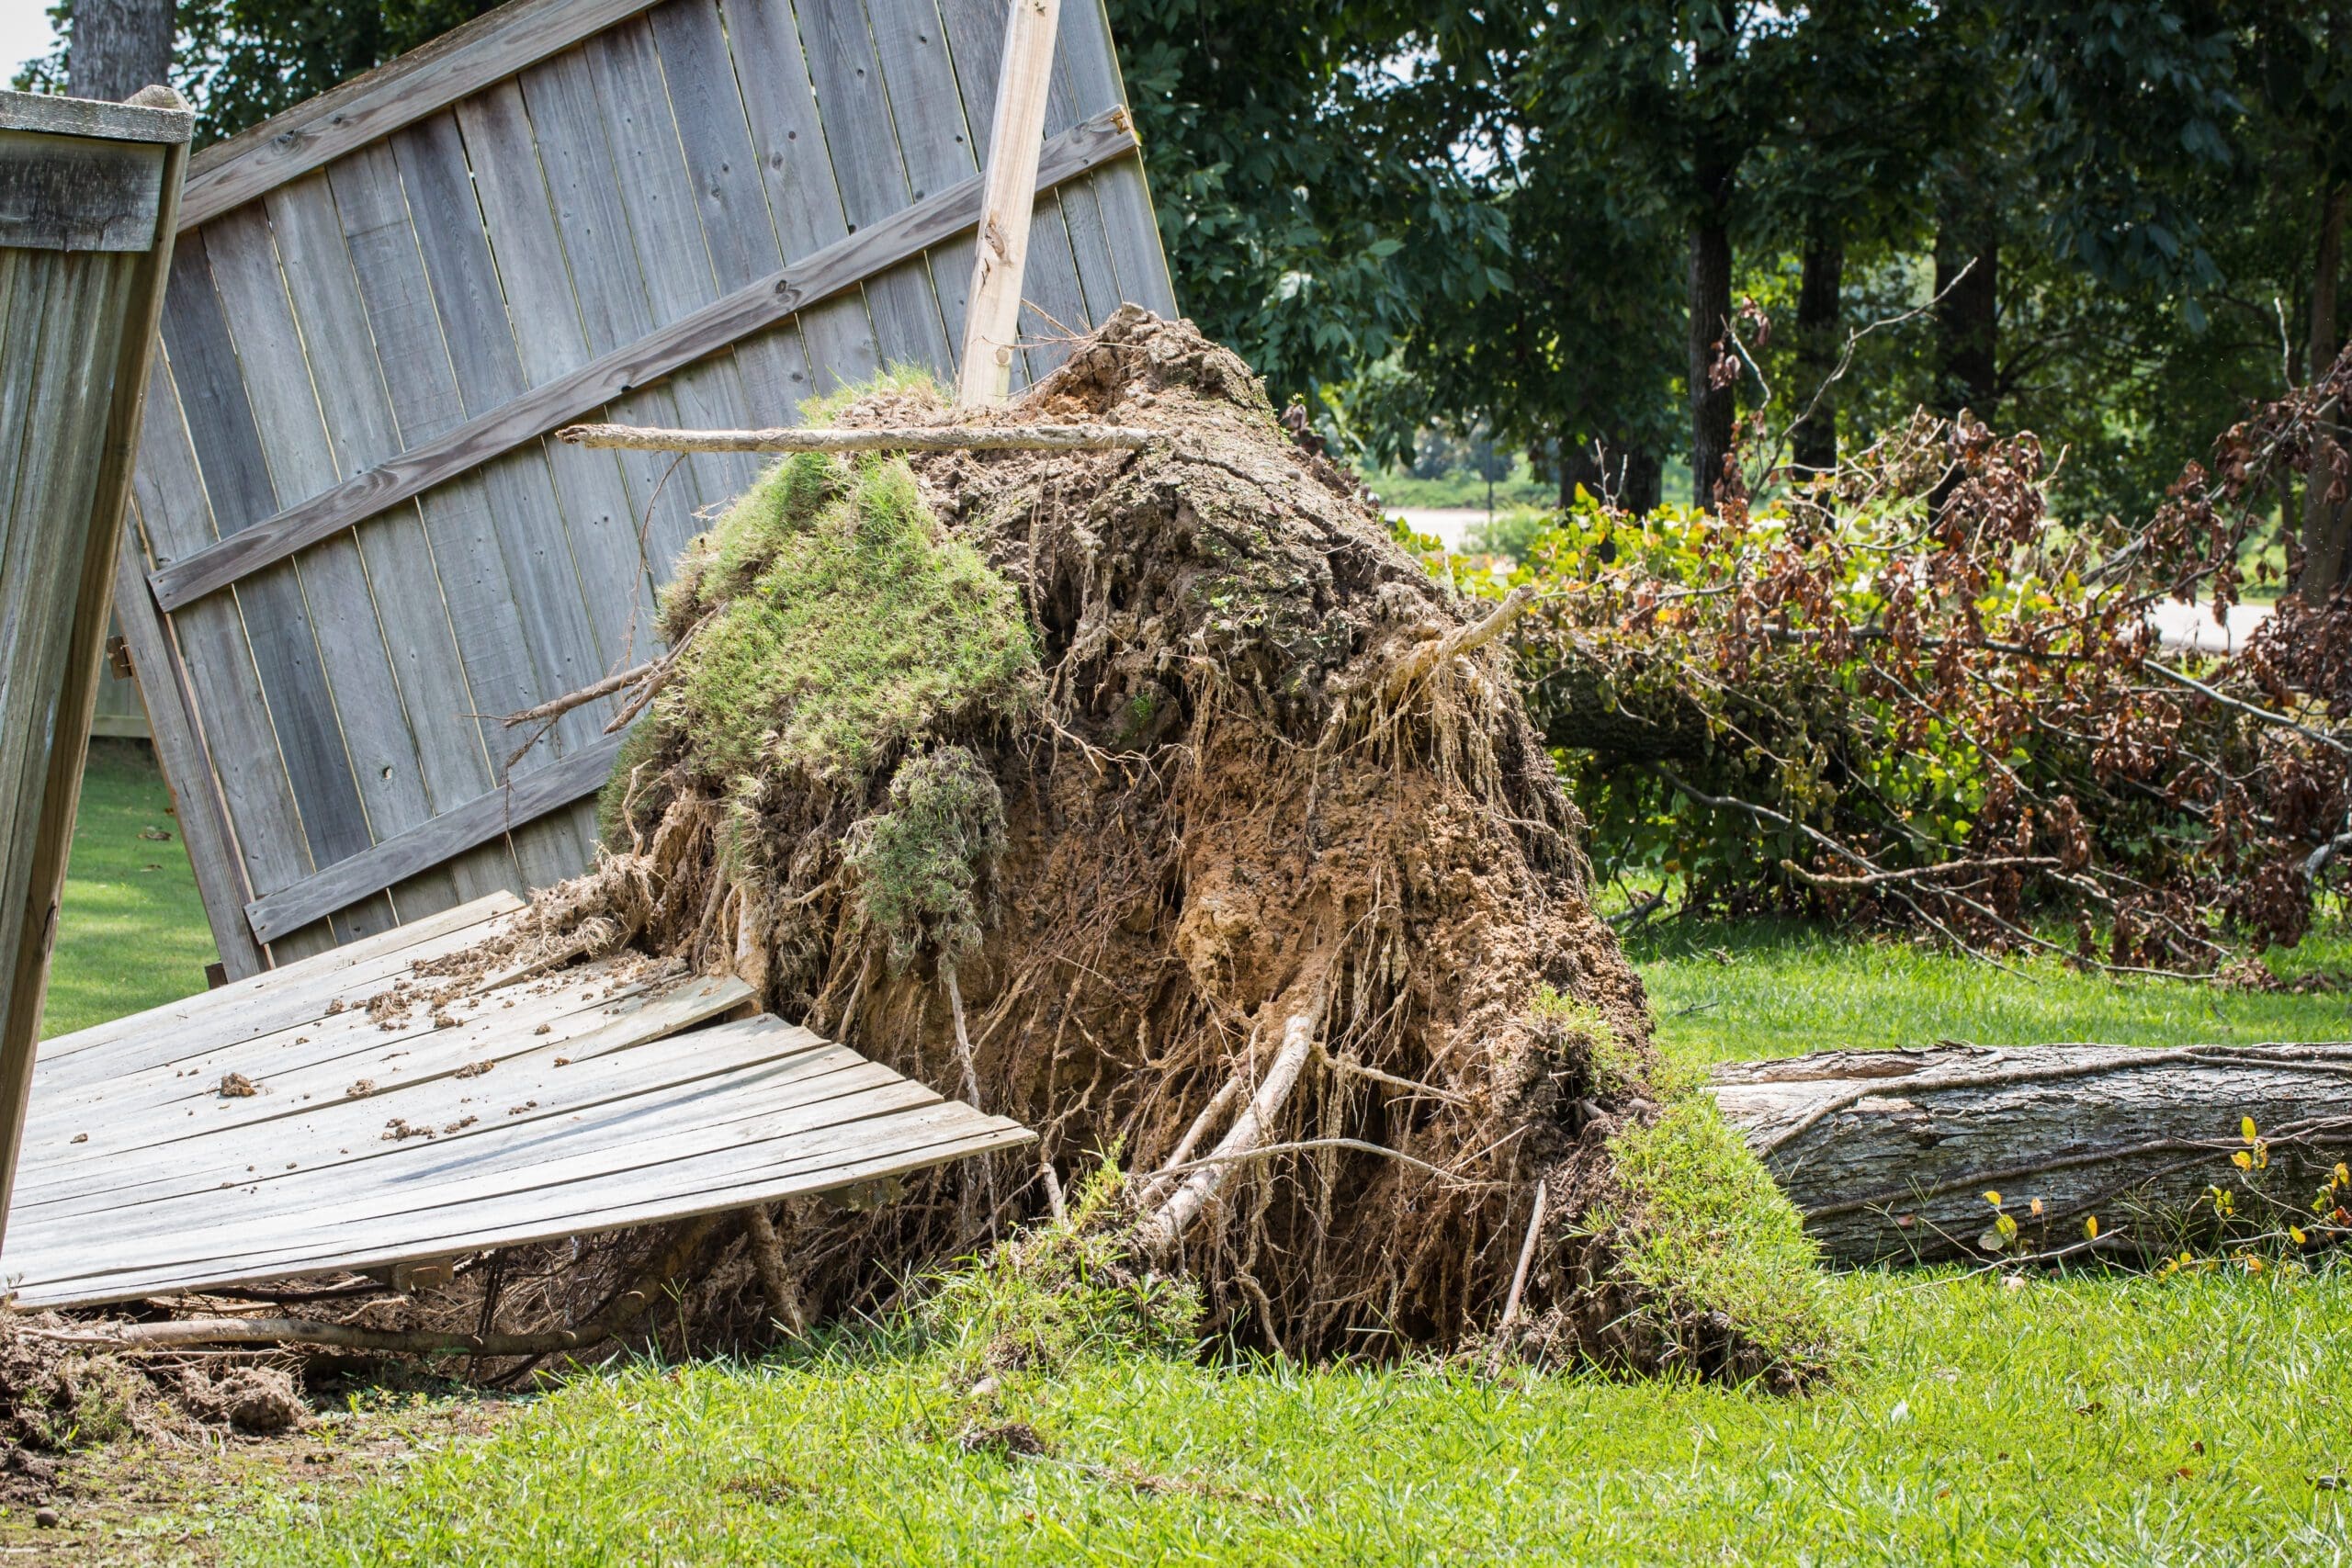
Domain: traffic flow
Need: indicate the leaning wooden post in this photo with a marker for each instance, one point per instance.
(89, 204)
(992, 320)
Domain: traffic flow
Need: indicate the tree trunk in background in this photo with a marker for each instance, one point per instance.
(1967, 327)
(1814, 443)
(2327, 509)
(1711, 406)
(118, 47)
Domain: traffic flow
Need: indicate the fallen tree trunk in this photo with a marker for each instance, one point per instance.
(1890, 1155)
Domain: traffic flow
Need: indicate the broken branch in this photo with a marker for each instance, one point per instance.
(876, 438)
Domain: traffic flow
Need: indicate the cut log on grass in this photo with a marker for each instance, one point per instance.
(1894, 1154)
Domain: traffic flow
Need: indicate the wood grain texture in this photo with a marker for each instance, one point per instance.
(76, 193)
(524, 798)
(418, 84)
(610, 1117)
(992, 318)
(908, 232)
(1889, 1155)
(57, 116)
(76, 332)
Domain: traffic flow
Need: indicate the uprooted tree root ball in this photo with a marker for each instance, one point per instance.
(1156, 799)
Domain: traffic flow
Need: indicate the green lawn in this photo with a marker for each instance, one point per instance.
(130, 930)
(2203, 1417)
(2194, 1419)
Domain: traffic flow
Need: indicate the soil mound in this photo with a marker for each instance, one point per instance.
(1159, 799)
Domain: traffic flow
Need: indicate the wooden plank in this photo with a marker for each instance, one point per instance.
(291, 993)
(206, 830)
(210, 652)
(871, 176)
(225, 445)
(506, 1118)
(93, 116)
(1125, 199)
(370, 108)
(525, 797)
(736, 226)
(796, 171)
(1063, 267)
(1097, 142)
(672, 258)
(427, 672)
(73, 193)
(164, 1123)
(934, 143)
(992, 320)
(797, 1147)
(113, 348)
(376, 732)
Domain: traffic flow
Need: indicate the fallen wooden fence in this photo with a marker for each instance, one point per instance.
(279, 1127)
(87, 196)
(357, 544)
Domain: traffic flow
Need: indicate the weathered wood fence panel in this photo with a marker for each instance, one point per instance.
(88, 195)
(357, 546)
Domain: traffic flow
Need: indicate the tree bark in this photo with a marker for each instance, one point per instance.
(1814, 446)
(1968, 280)
(2327, 508)
(118, 47)
(1711, 406)
(1891, 1154)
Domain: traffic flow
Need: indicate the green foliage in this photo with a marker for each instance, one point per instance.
(1061, 1294)
(1513, 532)
(919, 865)
(848, 626)
(1705, 1234)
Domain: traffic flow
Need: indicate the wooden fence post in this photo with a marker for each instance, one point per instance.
(992, 325)
(89, 197)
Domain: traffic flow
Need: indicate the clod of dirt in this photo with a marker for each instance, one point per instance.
(1013, 1439)
(236, 1086)
(252, 1400)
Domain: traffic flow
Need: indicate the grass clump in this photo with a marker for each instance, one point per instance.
(839, 624)
(923, 866)
(1711, 1242)
(1613, 1068)
(1061, 1294)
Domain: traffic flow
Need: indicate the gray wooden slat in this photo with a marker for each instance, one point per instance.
(169, 1123)
(206, 832)
(934, 144)
(1099, 142)
(736, 226)
(804, 203)
(418, 84)
(353, 655)
(60, 193)
(525, 510)
(287, 995)
(211, 653)
(643, 1177)
(871, 176)
(659, 200)
(1120, 190)
(514, 1116)
(226, 445)
(92, 117)
(360, 423)
(524, 798)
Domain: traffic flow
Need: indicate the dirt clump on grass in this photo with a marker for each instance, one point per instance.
(1118, 790)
